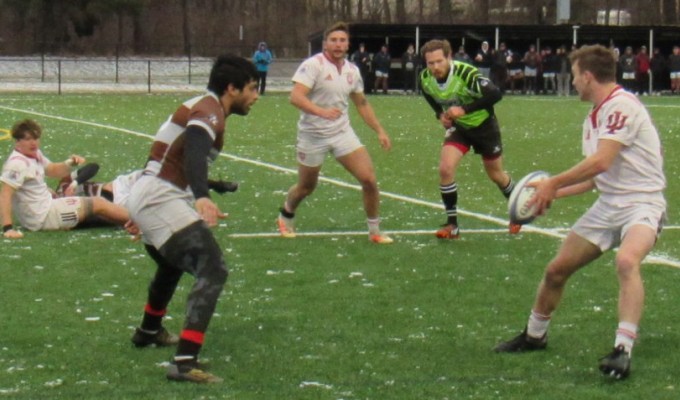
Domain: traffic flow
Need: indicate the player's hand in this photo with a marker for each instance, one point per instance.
(330, 113)
(75, 160)
(13, 234)
(455, 112)
(385, 141)
(209, 211)
(70, 190)
(132, 229)
(445, 120)
(545, 192)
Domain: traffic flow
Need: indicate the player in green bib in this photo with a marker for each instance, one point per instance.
(463, 101)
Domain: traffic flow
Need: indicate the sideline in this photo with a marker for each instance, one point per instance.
(651, 258)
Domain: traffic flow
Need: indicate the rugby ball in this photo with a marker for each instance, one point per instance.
(520, 212)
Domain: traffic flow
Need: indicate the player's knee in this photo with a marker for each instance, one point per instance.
(368, 183)
(627, 265)
(555, 277)
(195, 250)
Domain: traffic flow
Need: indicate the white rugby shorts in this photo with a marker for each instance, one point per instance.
(605, 224)
(312, 149)
(160, 209)
(63, 214)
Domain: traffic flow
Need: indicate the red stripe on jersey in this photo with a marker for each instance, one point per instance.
(151, 311)
(192, 336)
(593, 115)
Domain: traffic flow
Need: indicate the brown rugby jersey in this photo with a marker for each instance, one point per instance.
(166, 159)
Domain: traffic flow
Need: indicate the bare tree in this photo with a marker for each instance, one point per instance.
(444, 11)
(401, 11)
(387, 14)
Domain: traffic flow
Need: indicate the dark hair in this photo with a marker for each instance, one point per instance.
(436, 44)
(599, 60)
(27, 127)
(231, 69)
(338, 26)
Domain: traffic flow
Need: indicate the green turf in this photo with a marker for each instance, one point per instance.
(333, 316)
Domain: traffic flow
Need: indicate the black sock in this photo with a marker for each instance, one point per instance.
(507, 190)
(450, 199)
(287, 214)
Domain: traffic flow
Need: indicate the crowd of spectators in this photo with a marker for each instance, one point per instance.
(530, 71)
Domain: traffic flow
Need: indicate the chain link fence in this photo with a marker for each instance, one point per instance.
(92, 74)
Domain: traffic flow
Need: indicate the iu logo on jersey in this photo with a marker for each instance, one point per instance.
(615, 122)
(350, 80)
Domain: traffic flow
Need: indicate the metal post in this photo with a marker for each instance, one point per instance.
(650, 53)
(42, 67)
(59, 76)
(497, 38)
(418, 52)
(148, 75)
(574, 39)
(117, 80)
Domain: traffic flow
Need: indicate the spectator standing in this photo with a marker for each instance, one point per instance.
(362, 59)
(381, 65)
(642, 70)
(262, 58)
(674, 66)
(462, 56)
(484, 59)
(499, 67)
(657, 66)
(409, 67)
(563, 72)
(627, 62)
(550, 69)
(531, 61)
(516, 72)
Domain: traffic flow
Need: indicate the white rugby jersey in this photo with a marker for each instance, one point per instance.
(32, 199)
(122, 185)
(639, 166)
(330, 87)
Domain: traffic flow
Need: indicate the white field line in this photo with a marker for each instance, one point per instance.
(651, 258)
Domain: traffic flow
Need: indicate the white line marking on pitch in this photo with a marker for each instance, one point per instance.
(651, 258)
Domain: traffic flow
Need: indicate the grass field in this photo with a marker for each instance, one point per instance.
(329, 315)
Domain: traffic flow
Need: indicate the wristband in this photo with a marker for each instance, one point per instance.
(7, 227)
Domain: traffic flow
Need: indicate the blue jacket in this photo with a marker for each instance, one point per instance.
(262, 58)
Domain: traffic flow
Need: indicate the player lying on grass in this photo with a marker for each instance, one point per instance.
(25, 193)
(118, 190)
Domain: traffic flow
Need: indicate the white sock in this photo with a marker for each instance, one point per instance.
(626, 335)
(537, 325)
(373, 226)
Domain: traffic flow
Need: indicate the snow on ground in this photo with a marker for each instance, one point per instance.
(95, 74)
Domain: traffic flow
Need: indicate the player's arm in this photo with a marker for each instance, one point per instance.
(436, 107)
(62, 169)
(575, 189)
(585, 170)
(368, 115)
(8, 231)
(298, 98)
(489, 93)
(197, 147)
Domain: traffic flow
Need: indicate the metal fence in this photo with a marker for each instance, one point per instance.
(92, 74)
